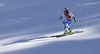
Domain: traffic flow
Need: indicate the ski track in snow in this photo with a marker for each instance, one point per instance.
(92, 3)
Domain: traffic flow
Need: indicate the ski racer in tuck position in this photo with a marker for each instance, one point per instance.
(68, 20)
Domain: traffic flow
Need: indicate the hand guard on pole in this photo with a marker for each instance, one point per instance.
(75, 20)
(60, 18)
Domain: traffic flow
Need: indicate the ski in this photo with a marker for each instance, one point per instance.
(67, 34)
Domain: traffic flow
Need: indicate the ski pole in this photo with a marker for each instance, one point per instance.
(61, 20)
(85, 22)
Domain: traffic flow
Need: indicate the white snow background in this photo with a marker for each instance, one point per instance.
(26, 27)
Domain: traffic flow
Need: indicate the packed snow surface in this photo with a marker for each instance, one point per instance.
(26, 27)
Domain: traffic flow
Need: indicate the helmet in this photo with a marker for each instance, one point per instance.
(66, 8)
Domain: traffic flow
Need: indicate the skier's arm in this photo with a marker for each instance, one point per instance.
(73, 17)
(61, 17)
(75, 20)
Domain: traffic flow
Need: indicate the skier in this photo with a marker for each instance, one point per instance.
(68, 20)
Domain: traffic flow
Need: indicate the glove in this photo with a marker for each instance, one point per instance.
(60, 18)
(75, 20)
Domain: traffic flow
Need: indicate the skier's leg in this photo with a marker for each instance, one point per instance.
(64, 26)
(68, 23)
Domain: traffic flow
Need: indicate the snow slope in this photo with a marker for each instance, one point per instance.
(26, 27)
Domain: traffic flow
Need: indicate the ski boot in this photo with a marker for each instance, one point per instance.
(71, 32)
(66, 31)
